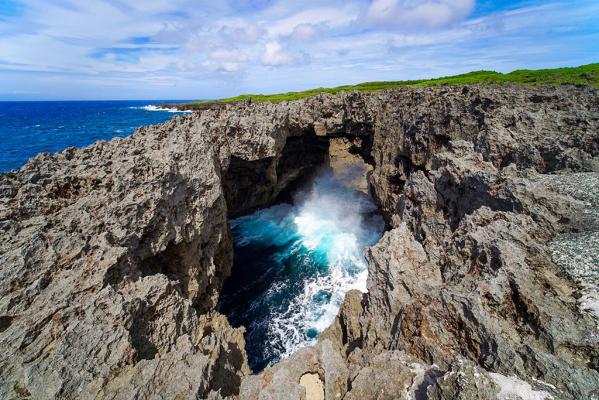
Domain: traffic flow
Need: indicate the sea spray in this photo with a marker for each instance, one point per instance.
(160, 108)
(294, 264)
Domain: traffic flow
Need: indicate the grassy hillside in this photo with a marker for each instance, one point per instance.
(585, 75)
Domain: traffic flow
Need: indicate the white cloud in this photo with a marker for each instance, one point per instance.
(91, 47)
(331, 17)
(225, 60)
(248, 34)
(243, 32)
(227, 55)
(304, 32)
(274, 55)
(409, 14)
(225, 67)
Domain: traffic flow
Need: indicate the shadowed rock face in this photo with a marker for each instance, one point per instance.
(113, 256)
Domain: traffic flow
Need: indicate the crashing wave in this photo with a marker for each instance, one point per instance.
(157, 108)
(298, 263)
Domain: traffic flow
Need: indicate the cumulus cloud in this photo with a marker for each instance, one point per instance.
(225, 60)
(409, 14)
(275, 55)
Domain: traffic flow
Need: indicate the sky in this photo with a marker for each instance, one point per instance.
(195, 49)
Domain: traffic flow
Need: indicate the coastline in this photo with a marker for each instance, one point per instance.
(127, 245)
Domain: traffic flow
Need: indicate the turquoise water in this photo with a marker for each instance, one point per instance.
(28, 128)
(293, 265)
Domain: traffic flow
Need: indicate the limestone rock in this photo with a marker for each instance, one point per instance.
(283, 381)
(113, 256)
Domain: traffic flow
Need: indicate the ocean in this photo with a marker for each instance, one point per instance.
(28, 128)
(294, 263)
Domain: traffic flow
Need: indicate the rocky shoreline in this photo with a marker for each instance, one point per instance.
(484, 285)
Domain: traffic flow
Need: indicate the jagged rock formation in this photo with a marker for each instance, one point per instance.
(113, 256)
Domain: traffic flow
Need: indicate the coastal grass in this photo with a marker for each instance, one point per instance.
(583, 75)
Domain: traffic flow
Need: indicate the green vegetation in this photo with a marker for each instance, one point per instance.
(584, 75)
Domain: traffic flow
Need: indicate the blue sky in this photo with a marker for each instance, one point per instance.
(189, 49)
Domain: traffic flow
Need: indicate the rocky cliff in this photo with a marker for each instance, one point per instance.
(484, 285)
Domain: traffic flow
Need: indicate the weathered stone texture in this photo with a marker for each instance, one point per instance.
(112, 257)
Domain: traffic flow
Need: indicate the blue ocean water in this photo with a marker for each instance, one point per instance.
(293, 264)
(28, 128)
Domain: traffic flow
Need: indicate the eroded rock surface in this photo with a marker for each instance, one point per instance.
(113, 256)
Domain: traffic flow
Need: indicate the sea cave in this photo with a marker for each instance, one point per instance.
(295, 260)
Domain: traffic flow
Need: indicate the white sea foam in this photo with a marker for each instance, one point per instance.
(156, 108)
(330, 222)
(309, 255)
